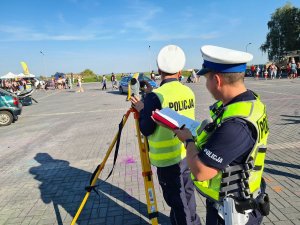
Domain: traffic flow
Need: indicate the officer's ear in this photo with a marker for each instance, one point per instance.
(179, 73)
(218, 79)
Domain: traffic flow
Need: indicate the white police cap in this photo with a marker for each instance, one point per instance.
(223, 60)
(171, 59)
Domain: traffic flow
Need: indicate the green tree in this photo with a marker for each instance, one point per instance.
(43, 77)
(87, 73)
(284, 32)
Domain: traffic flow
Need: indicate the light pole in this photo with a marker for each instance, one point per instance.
(149, 48)
(247, 46)
(43, 62)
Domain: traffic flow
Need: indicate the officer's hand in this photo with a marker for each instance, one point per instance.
(136, 103)
(183, 134)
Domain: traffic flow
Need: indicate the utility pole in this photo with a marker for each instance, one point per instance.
(149, 48)
(44, 68)
(247, 46)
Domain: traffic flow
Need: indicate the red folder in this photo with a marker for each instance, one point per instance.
(168, 121)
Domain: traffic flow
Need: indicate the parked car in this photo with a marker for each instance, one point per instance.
(10, 108)
(123, 84)
(248, 73)
(26, 98)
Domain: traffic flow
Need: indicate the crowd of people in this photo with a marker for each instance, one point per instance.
(293, 69)
(272, 71)
(113, 79)
(18, 85)
(60, 83)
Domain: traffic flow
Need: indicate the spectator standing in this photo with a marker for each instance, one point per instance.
(79, 84)
(59, 83)
(266, 74)
(28, 84)
(257, 71)
(293, 69)
(72, 78)
(104, 82)
(252, 70)
(70, 83)
(194, 75)
(152, 76)
(298, 69)
(115, 83)
(273, 71)
(112, 79)
(279, 71)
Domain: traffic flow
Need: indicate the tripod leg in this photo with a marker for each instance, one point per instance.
(99, 169)
(147, 174)
(34, 100)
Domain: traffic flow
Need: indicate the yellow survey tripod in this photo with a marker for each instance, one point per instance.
(146, 169)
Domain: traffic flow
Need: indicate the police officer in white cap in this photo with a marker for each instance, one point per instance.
(227, 156)
(167, 152)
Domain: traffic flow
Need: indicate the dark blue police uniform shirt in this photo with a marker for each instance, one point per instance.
(151, 103)
(232, 142)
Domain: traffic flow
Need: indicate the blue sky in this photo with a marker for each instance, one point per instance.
(114, 36)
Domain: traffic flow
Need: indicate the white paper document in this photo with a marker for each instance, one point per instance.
(181, 120)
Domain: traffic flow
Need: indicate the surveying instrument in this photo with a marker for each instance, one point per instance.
(146, 168)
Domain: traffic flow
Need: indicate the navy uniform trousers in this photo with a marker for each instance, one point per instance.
(178, 192)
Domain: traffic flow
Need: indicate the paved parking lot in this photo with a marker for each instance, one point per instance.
(48, 156)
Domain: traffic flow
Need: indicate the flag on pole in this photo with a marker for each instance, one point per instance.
(25, 68)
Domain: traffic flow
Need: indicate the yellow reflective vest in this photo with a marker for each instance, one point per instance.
(164, 148)
(253, 112)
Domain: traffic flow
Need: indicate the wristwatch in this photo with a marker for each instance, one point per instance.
(187, 141)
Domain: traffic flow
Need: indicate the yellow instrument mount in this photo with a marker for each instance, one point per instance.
(146, 171)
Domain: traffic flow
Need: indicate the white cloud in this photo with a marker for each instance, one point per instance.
(139, 21)
(142, 23)
(17, 33)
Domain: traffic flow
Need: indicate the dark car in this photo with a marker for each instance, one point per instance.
(10, 108)
(123, 85)
(248, 73)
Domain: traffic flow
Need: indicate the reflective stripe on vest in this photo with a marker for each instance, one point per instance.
(253, 112)
(164, 148)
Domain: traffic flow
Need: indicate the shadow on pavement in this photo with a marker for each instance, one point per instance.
(291, 119)
(282, 173)
(108, 90)
(63, 185)
(115, 92)
(276, 163)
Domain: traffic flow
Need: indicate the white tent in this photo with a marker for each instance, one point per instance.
(9, 75)
(22, 75)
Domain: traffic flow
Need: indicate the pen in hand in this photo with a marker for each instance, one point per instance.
(180, 129)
